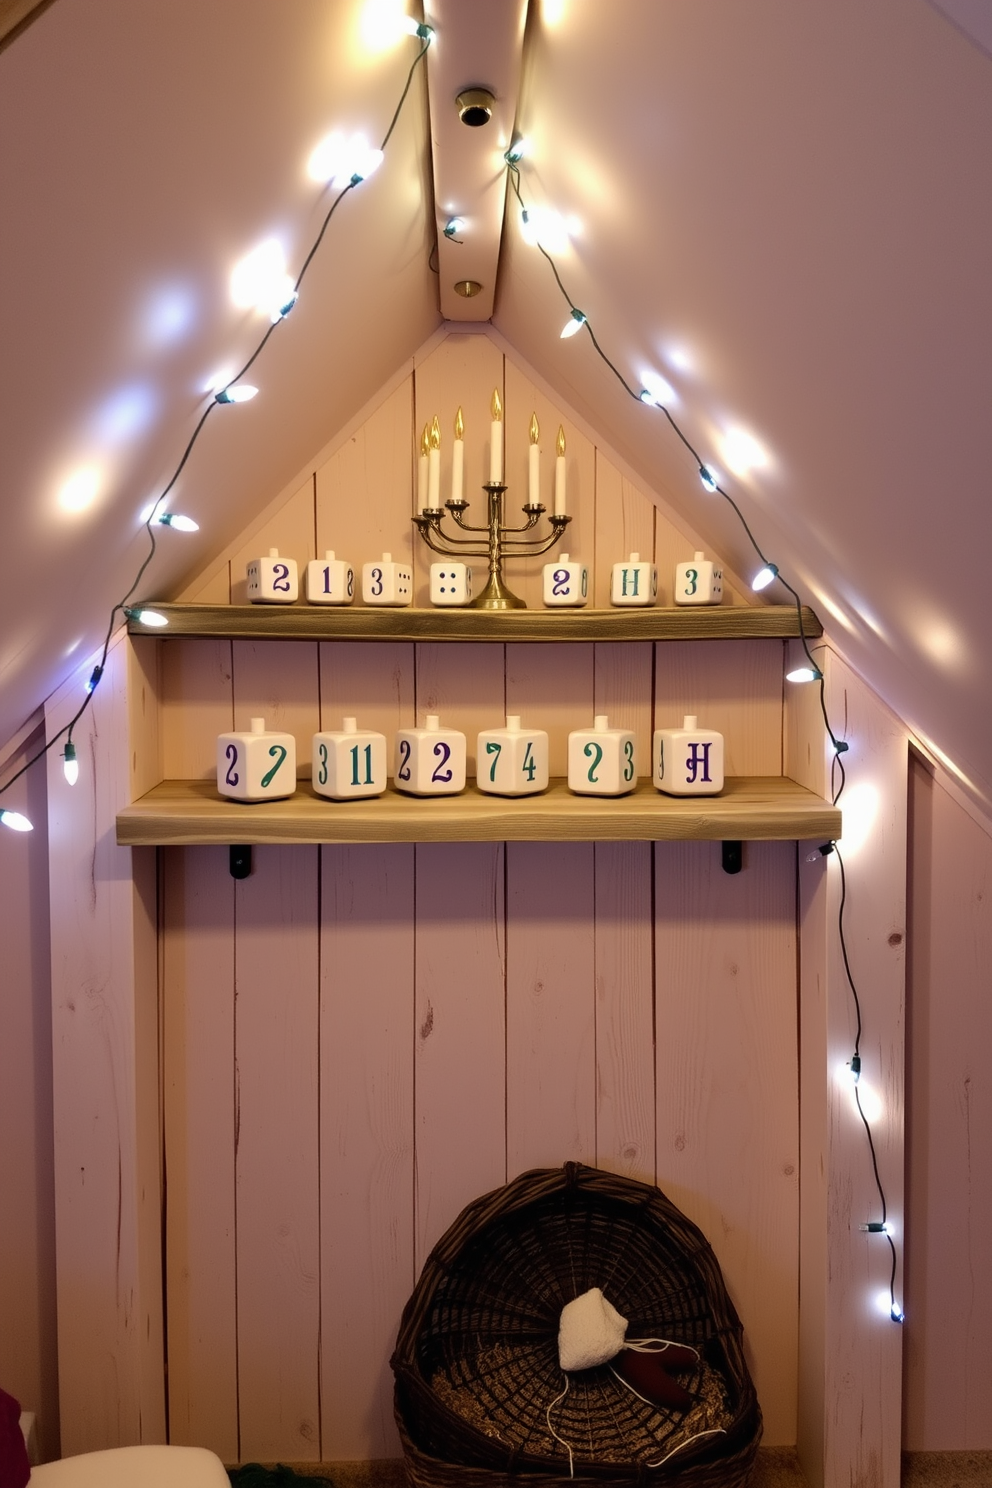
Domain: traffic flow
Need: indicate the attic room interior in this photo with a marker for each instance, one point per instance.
(661, 298)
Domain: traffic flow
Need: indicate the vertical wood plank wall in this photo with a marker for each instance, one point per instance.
(359, 1040)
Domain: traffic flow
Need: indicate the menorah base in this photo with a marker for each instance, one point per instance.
(496, 596)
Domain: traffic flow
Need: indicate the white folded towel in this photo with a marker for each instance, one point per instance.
(590, 1332)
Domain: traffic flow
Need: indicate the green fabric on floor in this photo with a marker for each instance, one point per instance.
(254, 1475)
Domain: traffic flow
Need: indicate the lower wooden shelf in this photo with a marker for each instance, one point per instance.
(760, 807)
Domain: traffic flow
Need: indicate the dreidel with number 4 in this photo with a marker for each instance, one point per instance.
(430, 761)
(688, 761)
(601, 760)
(349, 764)
(512, 761)
(255, 765)
(698, 583)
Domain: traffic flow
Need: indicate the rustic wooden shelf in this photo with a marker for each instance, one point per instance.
(768, 807)
(302, 622)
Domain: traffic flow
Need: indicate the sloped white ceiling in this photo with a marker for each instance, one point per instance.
(785, 211)
(144, 149)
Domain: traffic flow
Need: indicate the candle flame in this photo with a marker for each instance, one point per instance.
(425, 440)
(535, 431)
(435, 433)
(560, 441)
(496, 407)
(459, 424)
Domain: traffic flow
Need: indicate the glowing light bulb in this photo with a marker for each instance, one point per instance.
(342, 159)
(70, 764)
(146, 617)
(855, 1068)
(178, 521)
(257, 279)
(94, 681)
(707, 477)
(804, 674)
(573, 325)
(896, 1313)
(764, 577)
(243, 392)
(284, 301)
(518, 151)
(454, 225)
(544, 227)
(15, 821)
(655, 390)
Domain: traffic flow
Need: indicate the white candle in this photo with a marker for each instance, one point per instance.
(422, 462)
(434, 468)
(496, 441)
(458, 459)
(559, 510)
(534, 464)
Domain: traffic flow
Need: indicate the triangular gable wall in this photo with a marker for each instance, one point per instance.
(357, 495)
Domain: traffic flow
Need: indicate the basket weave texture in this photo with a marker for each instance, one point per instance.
(476, 1360)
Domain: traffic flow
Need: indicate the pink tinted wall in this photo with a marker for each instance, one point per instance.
(948, 1379)
(28, 1359)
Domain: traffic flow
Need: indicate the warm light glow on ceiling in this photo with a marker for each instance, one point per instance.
(548, 228)
(78, 493)
(743, 453)
(340, 156)
(383, 24)
(552, 12)
(259, 281)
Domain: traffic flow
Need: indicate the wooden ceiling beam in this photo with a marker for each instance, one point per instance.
(475, 46)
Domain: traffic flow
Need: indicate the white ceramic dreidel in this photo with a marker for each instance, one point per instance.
(565, 582)
(330, 580)
(430, 761)
(634, 582)
(273, 580)
(512, 761)
(601, 760)
(688, 761)
(698, 582)
(451, 583)
(387, 583)
(255, 765)
(349, 763)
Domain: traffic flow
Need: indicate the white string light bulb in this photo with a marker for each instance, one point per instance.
(517, 151)
(764, 577)
(70, 764)
(573, 324)
(656, 392)
(454, 225)
(242, 393)
(708, 478)
(178, 521)
(146, 617)
(804, 674)
(15, 821)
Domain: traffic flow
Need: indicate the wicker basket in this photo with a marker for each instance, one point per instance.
(476, 1361)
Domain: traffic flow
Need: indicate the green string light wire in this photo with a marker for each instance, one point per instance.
(838, 775)
(150, 521)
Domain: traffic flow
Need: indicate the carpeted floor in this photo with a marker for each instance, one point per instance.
(776, 1467)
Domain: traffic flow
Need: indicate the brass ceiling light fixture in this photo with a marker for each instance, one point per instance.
(475, 106)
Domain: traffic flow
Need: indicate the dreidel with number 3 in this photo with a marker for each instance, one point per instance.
(601, 760)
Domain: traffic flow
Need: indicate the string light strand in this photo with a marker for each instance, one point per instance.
(838, 774)
(220, 397)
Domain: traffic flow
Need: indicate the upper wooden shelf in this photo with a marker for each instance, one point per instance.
(348, 623)
(762, 807)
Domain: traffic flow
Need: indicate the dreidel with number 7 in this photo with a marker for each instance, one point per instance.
(255, 765)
